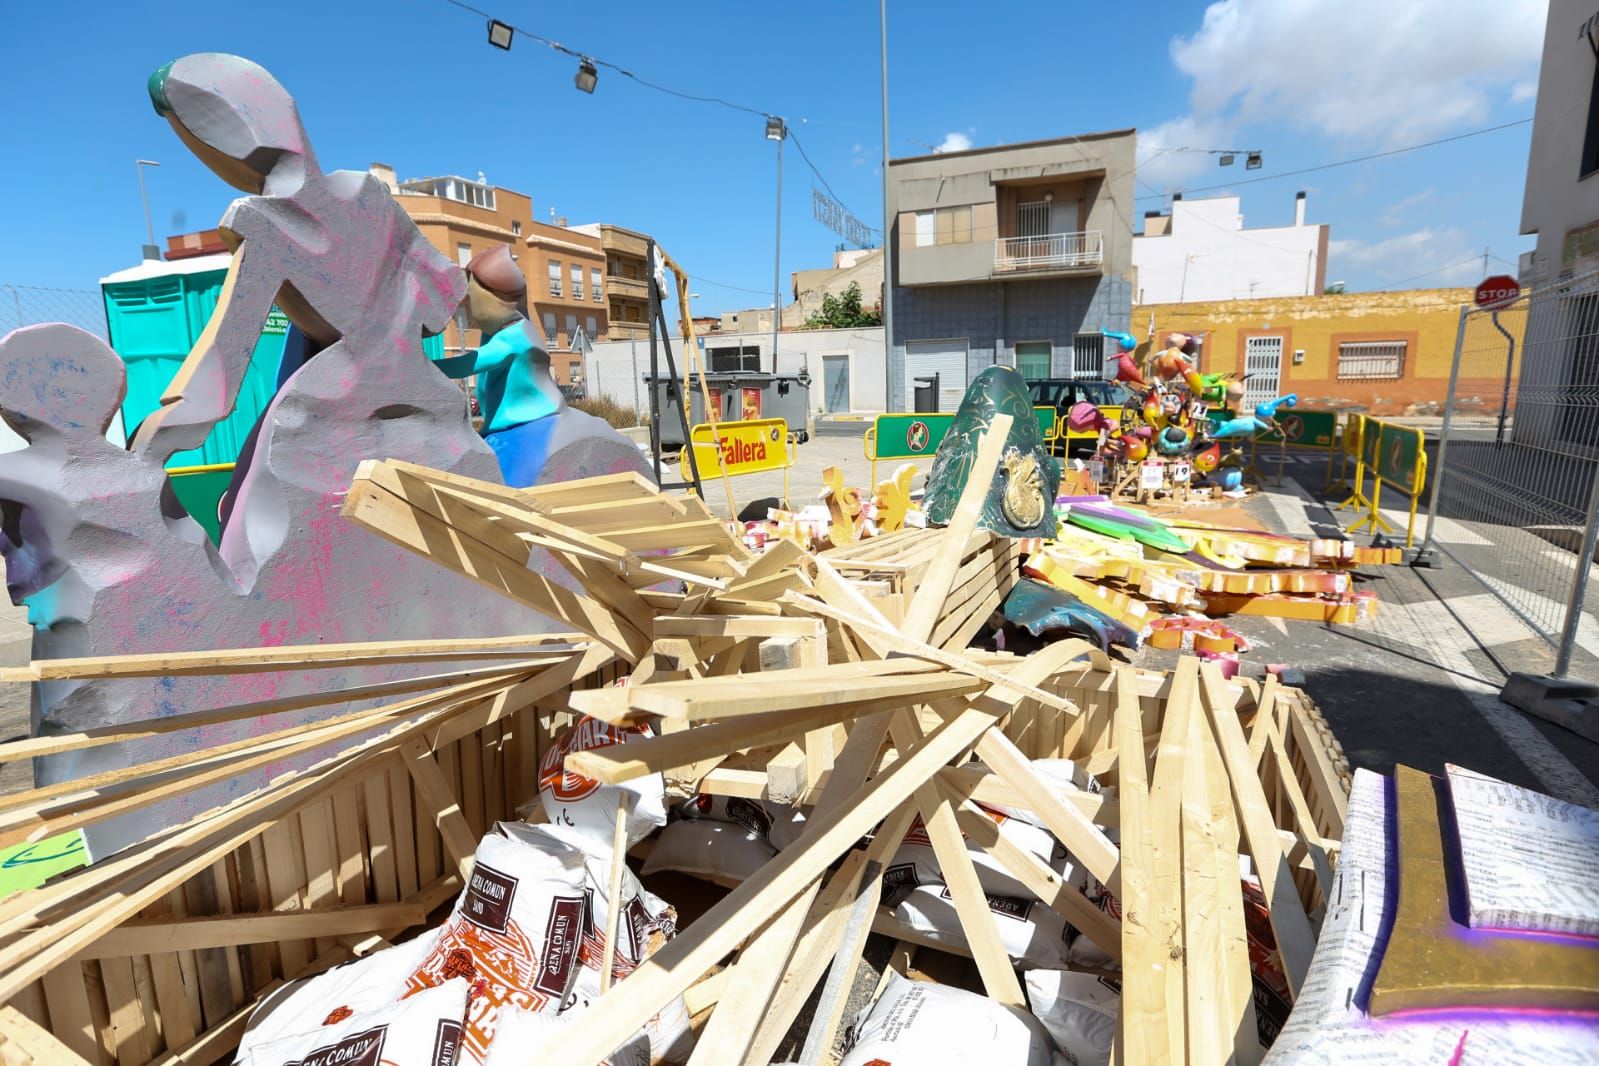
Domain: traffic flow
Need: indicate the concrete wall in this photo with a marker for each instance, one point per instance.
(1558, 200)
(1206, 254)
(1096, 167)
(616, 368)
(1425, 319)
(992, 318)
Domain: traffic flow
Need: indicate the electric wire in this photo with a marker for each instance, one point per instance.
(567, 50)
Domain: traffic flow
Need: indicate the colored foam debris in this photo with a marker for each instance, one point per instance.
(1047, 611)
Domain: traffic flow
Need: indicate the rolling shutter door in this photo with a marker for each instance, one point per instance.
(947, 359)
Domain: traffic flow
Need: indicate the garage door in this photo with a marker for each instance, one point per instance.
(947, 359)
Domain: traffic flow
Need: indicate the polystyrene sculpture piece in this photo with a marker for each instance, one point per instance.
(95, 543)
(526, 421)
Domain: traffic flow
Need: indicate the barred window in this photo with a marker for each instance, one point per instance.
(1371, 360)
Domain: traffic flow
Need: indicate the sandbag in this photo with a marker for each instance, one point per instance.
(328, 998)
(424, 1030)
(515, 933)
(1033, 934)
(1079, 1010)
(647, 922)
(586, 804)
(916, 1023)
(716, 851)
(776, 823)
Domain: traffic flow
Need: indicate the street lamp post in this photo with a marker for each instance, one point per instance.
(777, 131)
(151, 251)
(888, 229)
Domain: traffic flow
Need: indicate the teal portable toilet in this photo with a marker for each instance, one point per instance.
(155, 312)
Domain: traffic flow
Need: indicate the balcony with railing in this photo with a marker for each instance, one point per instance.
(1050, 252)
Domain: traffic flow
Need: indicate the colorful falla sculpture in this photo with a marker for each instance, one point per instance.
(1177, 412)
(526, 420)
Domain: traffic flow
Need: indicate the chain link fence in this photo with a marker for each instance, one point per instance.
(30, 305)
(1513, 498)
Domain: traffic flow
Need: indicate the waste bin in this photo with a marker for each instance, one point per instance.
(667, 392)
(926, 395)
(788, 396)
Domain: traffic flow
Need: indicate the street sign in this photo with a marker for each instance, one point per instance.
(1497, 291)
(748, 447)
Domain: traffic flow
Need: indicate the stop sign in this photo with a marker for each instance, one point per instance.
(1497, 291)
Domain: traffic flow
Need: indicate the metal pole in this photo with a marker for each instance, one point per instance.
(144, 197)
(888, 231)
(1579, 584)
(1443, 435)
(655, 368)
(1504, 399)
(777, 255)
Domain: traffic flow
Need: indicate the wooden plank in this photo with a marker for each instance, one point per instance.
(1164, 913)
(960, 876)
(742, 696)
(288, 657)
(928, 603)
(787, 774)
(1306, 828)
(1289, 923)
(469, 785)
(400, 523)
(1040, 879)
(211, 964)
(321, 861)
(1220, 1002)
(36, 747)
(405, 859)
(224, 897)
(350, 844)
(284, 890)
(67, 1000)
(201, 933)
(434, 797)
(127, 1019)
(1145, 1024)
(1330, 797)
(380, 837)
(36, 1043)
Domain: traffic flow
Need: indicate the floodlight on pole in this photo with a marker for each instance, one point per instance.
(150, 250)
(777, 131)
(500, 35)
(586, 76)
(1252, 161)
(1226, 159)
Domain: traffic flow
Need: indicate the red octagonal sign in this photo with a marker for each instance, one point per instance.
(1497, 291)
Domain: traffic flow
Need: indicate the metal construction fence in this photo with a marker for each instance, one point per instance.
(1513, 500)
(31, 305)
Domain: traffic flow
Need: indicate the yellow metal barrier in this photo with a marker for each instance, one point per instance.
(1395, 456)
(752, 446)
(1353, 443)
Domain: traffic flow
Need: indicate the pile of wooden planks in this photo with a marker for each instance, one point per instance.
(876, 713)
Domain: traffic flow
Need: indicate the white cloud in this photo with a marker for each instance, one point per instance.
(1395, 212)
(1425, 258)
(1365, 71)
(1523, 91)
(954, 141)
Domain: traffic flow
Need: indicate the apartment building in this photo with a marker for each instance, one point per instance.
(627, 290)
(1017, 254)
(1200, 250)
(462, 217)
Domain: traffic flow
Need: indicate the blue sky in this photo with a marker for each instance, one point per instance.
(413, 83)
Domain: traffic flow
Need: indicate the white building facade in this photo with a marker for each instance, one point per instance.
(1201, 251)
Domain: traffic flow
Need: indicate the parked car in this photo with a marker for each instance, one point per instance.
(1065, 393)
